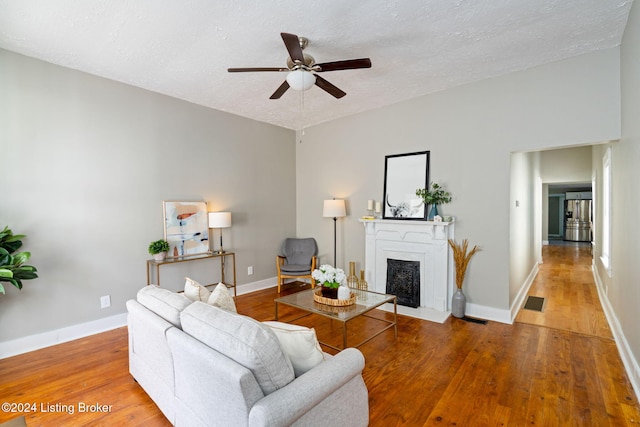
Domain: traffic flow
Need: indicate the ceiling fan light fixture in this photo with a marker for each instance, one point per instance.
(301, 80)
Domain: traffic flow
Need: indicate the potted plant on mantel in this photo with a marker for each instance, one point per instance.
(12, 267)
(159, 249)
(330, 279)
(434, 197)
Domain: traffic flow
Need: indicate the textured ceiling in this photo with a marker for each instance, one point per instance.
(182, 48)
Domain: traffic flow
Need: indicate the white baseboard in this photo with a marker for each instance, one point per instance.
(518, 302)
(74, 332)
(419, 312)
(257, 286)
(626, 354)
(58, 336)
(488, 313)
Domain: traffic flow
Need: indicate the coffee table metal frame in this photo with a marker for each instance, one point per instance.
(365, 302)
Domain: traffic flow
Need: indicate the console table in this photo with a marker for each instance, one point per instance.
(151, 263)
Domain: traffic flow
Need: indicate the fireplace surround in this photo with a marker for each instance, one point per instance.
(424, 242)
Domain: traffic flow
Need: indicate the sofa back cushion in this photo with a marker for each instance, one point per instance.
(242, 339)
(164, 303)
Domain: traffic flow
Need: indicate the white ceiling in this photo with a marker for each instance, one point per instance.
(183, 48)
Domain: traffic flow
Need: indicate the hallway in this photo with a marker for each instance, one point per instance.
(565, 281)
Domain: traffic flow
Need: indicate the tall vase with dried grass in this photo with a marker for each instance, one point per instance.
(461, 257)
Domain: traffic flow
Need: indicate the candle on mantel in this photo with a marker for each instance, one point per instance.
(378, 207)
(370, 205)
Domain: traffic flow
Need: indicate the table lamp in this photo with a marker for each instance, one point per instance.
(220, 220)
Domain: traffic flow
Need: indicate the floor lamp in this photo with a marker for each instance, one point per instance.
(334, 209)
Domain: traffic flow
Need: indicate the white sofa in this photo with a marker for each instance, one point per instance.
(204, 366)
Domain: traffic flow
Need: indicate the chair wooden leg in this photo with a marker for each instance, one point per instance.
(279, 282)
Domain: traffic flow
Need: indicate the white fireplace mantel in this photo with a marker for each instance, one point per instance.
(423, 241)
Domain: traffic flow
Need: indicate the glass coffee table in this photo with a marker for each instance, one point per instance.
(365, 302)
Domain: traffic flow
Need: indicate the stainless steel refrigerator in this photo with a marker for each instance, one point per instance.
(577, 220)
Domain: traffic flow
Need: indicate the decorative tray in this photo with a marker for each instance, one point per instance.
(317, 297)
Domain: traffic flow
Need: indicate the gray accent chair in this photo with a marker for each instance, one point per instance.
(298, 260)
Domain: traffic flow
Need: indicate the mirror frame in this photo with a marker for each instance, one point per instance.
(403, 175)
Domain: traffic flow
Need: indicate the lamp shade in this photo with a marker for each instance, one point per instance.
(219, 219)
(334, 209)
(301, 80)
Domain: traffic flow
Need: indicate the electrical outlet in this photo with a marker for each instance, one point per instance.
(250, 270)
(105, 301)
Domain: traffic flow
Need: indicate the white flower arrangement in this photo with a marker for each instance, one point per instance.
(328, 276)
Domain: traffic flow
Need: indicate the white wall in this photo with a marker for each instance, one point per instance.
(471, 132)
(523, 244)
(622, 289)
(86, 164)
(566, 165)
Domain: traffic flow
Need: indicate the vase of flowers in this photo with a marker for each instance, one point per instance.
(434, 197)
(330, 279)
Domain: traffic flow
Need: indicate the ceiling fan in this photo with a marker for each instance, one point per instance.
(303, 69)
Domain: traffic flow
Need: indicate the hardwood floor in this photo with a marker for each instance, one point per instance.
(571, 299)
(562, 370)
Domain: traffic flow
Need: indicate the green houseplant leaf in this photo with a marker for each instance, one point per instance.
(436, 195)
(158, 246)
(12, 267)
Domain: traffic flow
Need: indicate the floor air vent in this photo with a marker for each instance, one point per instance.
(474, 320)
(534, 303)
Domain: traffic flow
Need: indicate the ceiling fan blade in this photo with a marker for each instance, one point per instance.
(328, 87)
(244, 70)
(349, 64)
(280, 91)
(292, 42)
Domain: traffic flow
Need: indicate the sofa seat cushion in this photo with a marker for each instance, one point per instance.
(164, 303)
(300, 344)
(242, 339)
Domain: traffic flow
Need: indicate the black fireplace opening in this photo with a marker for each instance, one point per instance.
(403, 281)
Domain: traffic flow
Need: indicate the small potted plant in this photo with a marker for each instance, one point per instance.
(434, 197)
(159, 249)
(330, 279)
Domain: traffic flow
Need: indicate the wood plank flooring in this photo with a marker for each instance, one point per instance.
(571, 299)
(456, 373)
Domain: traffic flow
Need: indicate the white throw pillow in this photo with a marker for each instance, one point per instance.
(195, 291)
(220, 297)
(300, 344)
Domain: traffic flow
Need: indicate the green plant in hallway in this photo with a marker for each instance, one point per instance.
(12, 263)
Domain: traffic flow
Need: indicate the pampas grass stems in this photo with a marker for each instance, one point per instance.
(461, 258)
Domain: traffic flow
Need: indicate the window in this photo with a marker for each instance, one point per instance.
(606, 211)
